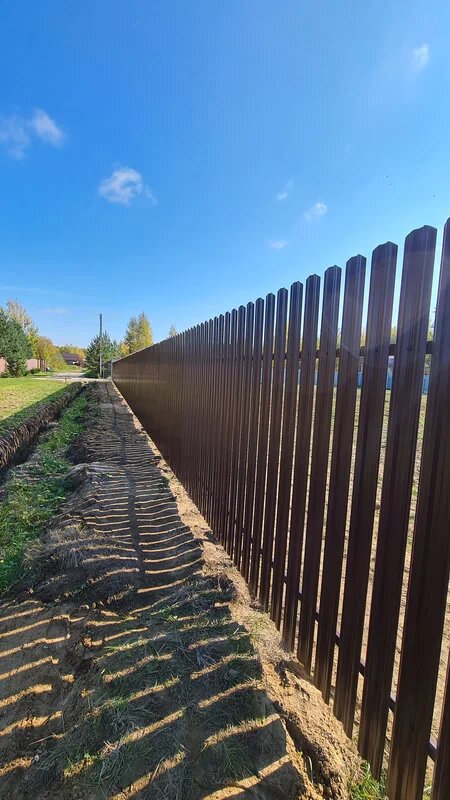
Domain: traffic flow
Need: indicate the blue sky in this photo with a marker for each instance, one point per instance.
(182, 158)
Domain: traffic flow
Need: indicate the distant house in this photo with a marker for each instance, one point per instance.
(71, 359)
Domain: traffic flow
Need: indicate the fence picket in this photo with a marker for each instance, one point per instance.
(255, 394)
(236, 426)
(261, 466)
(274, 446)
(287, 447)
(220, 529)
(215, 416)
(404, 408)
(319, 462)
(227, 442)
(429, 571)
(301, 461)
(340, 471)
(245, 431)
(367, 459)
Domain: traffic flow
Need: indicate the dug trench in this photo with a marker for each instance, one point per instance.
(17, 443)
(136, 665)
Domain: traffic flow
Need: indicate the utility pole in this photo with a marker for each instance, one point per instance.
(101, 347)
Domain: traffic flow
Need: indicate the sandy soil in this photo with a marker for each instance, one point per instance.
(137, 666)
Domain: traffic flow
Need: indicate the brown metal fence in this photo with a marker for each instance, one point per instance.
(312, 487)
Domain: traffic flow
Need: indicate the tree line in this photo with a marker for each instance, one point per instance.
(138, 334)
(20, 340)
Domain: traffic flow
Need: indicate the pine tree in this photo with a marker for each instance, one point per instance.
(110, 349)
(14, 345)
(173, 331)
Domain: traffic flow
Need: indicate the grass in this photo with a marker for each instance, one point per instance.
(21, 397)
(68, 368)
(365, 787)
(60, 370)
(31, 499)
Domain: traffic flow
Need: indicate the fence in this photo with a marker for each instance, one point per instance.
(312, 488)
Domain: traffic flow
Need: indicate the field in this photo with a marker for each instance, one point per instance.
(19, 397)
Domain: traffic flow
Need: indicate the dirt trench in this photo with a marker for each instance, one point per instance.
(137, 665)
(15, 443)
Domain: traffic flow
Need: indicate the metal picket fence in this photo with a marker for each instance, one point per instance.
(333, 501)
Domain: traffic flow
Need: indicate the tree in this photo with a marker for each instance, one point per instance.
(16, 312)
(110, 349)
(14, 345)
(130, 337)
(144, 332)
(173, 331)
(138, 334)
(72, 348)
(49, 353)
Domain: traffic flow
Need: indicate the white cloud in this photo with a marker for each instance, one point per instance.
(285, 191)
(316, 211)
(123, 185)
(46, 128)
(17, 132)
(277, 244)
(420, 57)
(14, 136)
(59, 310)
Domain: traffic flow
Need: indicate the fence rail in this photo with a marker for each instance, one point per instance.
(313, 487)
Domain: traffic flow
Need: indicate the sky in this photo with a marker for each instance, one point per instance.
(182, 158)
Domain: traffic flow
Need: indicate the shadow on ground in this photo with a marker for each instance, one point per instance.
(122, 672)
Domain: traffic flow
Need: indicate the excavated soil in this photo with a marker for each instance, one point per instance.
(137, 666)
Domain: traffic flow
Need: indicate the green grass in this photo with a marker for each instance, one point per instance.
(31, 500)
(70, 368)
(365, 787)
(21, 397)
(58, 370)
